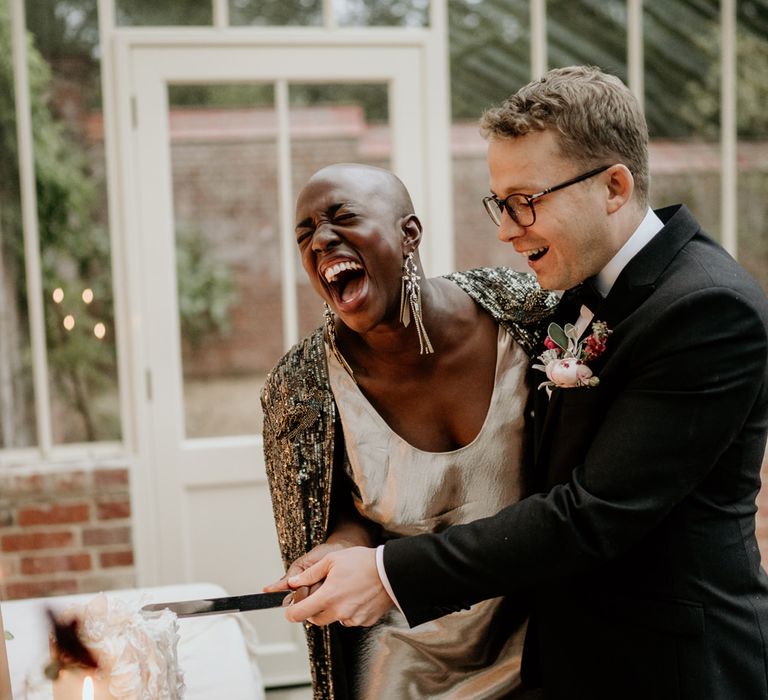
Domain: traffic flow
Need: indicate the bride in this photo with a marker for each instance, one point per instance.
(395, 420)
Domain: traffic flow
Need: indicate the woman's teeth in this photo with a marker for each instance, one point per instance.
(332, 272)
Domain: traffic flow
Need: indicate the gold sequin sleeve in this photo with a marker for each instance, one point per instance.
(299, 431)
(513, 298)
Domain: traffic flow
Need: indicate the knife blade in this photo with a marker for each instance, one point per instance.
(215, 606)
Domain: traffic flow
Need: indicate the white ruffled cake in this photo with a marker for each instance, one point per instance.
(136, 652)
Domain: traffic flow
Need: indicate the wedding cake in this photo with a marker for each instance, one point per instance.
(135, 651)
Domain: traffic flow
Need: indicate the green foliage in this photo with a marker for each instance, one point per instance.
(206, 288)
(74, 249)
(10, 209)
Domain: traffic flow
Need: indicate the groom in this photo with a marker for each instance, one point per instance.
(640, 546)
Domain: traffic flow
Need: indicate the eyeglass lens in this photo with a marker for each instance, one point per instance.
(517, 206)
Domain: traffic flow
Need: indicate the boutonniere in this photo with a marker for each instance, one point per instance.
(565, 359)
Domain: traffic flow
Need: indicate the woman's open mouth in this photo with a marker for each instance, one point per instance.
(346, 280)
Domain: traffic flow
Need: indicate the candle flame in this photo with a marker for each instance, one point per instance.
(88, 688)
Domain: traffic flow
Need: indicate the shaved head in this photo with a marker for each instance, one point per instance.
(369, 181)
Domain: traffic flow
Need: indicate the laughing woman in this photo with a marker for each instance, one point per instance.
(404, 415)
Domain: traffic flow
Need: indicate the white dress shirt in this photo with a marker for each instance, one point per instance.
(605, 279)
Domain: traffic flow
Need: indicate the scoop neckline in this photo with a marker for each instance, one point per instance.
(502, 339)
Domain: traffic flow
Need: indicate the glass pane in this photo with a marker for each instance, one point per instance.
(334, 123)
(682, 102)
(276, 12)
(224, 170)
(17, 418)
(584, 31)
(72, 218)
(752, 97)
(490, 50)
(374, 13)
(153, 13)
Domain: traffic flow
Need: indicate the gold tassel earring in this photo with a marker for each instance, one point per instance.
(410, 303)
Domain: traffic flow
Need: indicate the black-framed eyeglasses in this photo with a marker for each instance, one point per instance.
(520, 206)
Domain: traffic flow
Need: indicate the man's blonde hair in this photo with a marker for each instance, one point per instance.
(596, 117)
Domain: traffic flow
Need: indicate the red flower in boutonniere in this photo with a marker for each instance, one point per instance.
(565, 359)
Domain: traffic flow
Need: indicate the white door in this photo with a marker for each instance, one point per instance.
(218, 137)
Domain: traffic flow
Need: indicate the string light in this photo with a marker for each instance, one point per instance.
(99, 330)
(87, 296)
(69, 322)
(58, 295)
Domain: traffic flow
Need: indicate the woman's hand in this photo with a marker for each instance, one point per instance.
(301, 564)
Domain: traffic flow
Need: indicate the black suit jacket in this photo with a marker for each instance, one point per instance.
(640, 546)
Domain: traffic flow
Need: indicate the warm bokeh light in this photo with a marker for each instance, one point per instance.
(99, 330)
(69, 322)
(87, 296)
(58, 295)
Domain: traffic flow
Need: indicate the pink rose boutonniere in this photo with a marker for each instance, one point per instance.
(565, 359)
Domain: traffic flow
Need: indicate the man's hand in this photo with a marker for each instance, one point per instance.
(348, 532)
(351, 592)
(313, 556)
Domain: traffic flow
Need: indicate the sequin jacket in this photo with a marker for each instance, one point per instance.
(303, 441)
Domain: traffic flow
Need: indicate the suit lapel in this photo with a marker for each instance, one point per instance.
(638, 279)
(634, 285)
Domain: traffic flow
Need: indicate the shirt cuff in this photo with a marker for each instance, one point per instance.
(383, 575)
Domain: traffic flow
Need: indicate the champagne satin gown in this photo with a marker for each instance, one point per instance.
(472, 654)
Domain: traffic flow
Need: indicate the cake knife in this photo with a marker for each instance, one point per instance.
(214, 606)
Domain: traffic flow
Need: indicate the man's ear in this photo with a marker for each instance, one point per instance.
(621, 185)
(411, 228)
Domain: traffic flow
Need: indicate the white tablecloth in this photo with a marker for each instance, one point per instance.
(216, 652)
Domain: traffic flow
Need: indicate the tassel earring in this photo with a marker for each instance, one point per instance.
(330, 334)
(410, 304)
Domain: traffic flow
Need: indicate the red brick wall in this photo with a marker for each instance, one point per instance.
(65, 532)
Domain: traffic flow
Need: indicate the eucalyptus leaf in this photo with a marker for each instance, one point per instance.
(558, 335)
(572, 333)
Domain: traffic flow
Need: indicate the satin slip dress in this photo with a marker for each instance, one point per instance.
(472, 654)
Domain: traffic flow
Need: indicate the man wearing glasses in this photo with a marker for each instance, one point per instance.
(639, 548)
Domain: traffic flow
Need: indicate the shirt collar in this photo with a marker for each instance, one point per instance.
(648, 228)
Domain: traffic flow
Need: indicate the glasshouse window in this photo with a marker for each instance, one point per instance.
(69, 165)
(276, 12)
(682, 77)
(752, 124)
(374, 13)
(153, 13)
(17, 417)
